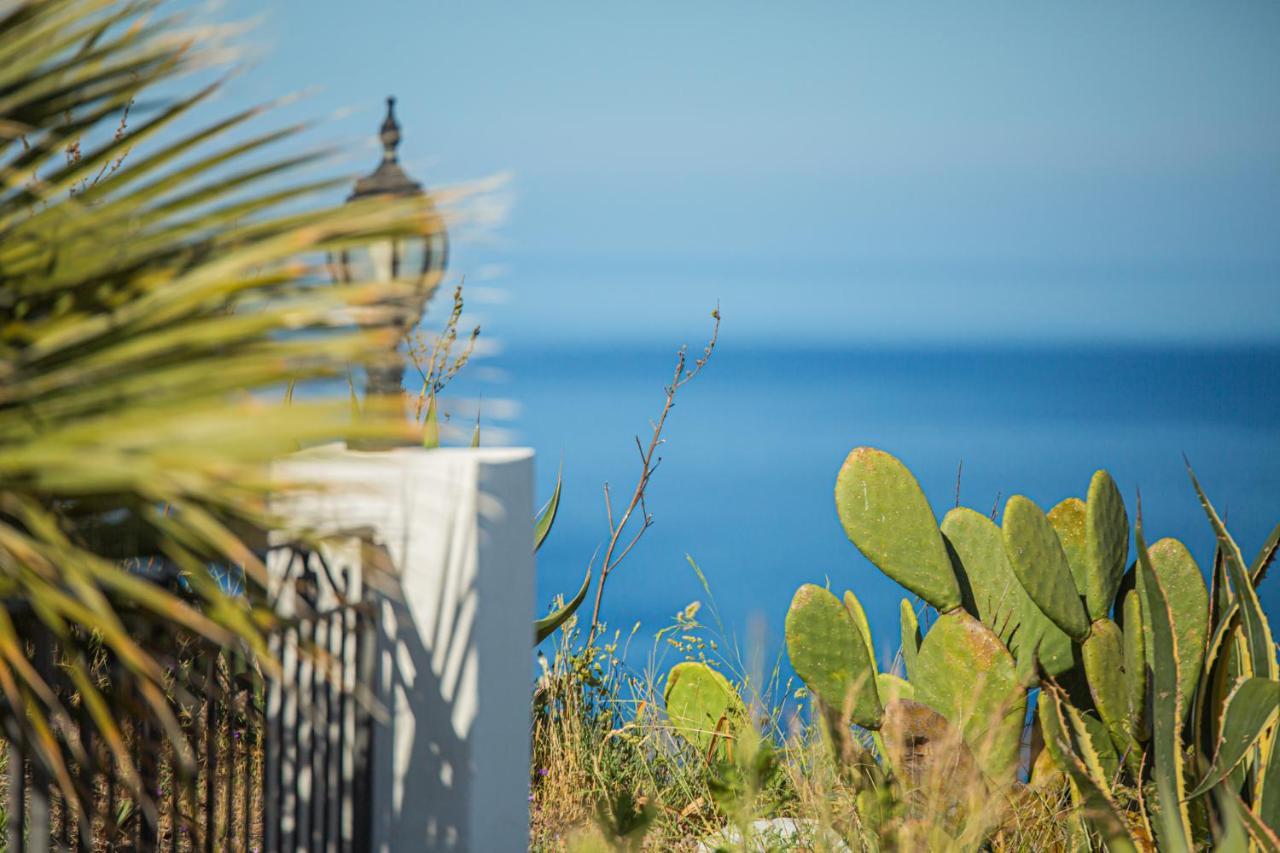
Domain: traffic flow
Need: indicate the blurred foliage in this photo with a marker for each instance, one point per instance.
(158, 290)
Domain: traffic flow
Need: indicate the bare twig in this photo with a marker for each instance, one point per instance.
(620, 545)
(433, 358)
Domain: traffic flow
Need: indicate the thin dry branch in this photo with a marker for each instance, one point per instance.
(621, 541)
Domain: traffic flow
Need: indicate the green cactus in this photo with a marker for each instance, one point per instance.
(1135, 666)
(1041, 566)
(997, 598)
(968, 676)
(1104, 666)
(828, 652)
(1106, 545)
(887, 516)
(910, 626)
(1175, 698)
(1068, 521)
(702, 706)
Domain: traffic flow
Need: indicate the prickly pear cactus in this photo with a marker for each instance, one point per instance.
(968, 676)
(887, 516)
(1106, 545)
(910, 627)
(828, 652)
(1041, 566)
(701, 705)
(997, 598)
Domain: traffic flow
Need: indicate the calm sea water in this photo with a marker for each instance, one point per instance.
(754, 444)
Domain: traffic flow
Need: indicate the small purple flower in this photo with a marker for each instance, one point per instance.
(542, 771)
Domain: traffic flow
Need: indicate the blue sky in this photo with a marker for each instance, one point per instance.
(830, 172)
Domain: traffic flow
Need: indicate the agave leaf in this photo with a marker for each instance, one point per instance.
(1173, 828)
(547, 515)
(1073, 751)
(547, 625)
(1266, 556)
(1262, 648)
(1260, 833)
(1252, 706)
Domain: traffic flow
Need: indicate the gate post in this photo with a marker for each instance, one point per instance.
(451, 569)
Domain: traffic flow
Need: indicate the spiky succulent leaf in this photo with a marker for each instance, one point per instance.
(1266, 556)
(547, 625)
(1106, 544)
(1073, 751)
(910, 627)
(1261, 646)
(887, 516)
(998, 599)
(702, 705)
(828, 653)
(1173, 827)
(547, 515)
(967, 675)
(1251, 708)
(1040, 565)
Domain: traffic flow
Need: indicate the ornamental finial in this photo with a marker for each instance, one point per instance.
(390, 131)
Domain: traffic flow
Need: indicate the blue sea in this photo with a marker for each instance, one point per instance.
(754, 443)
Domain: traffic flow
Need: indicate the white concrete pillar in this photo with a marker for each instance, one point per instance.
(454, 529)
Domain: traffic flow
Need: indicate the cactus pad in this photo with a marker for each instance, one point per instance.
(1068, 521)
(887, 516)
(967, 675)
(1188, 600)
(910, 626)
(998, 599)
(1040, 564)
(1106, 544)
(827, 651)
(701, 704)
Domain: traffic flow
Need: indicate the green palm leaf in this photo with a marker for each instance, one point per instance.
(152, 293)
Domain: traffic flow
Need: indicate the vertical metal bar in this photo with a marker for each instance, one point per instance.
(39, 836)
(210, 751)
(273, 773)
(366, 673)
(344, 717)
(319, 733)
(16, 808)
(301, 745)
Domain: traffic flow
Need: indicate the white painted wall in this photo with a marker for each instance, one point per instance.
(454, 527)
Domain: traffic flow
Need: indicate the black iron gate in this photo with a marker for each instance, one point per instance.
(272, 764)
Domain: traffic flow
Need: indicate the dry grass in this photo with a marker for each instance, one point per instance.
(609, 773)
